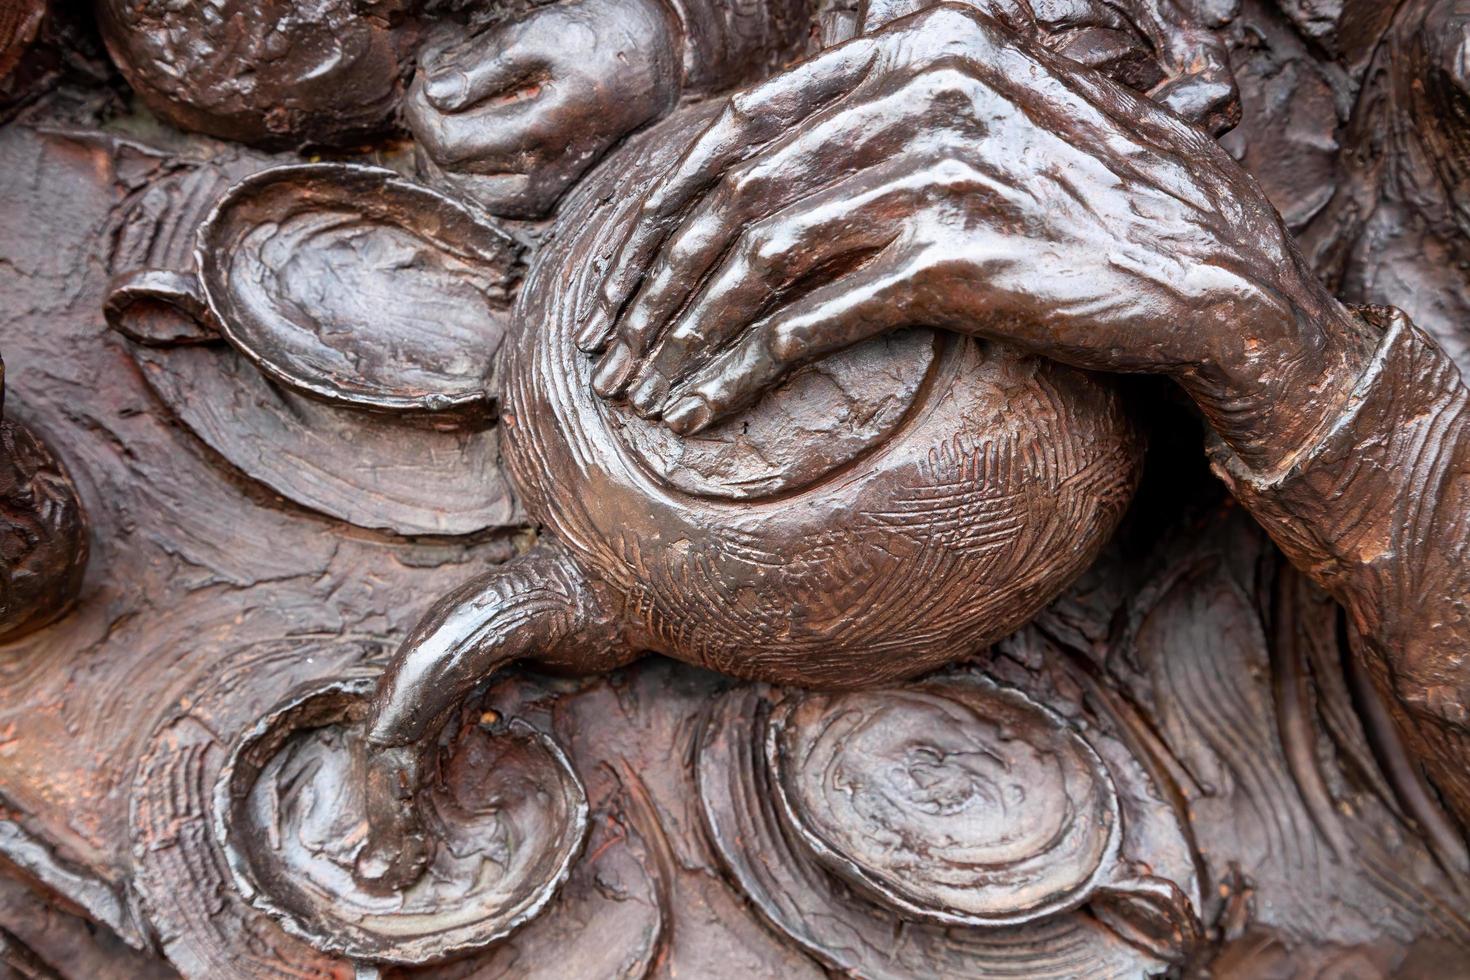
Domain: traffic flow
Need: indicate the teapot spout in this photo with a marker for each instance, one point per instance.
(539, 607)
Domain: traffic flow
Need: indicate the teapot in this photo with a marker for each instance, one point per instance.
(891, 509)
(886, 511)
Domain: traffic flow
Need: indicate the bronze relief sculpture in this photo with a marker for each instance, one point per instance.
(45, 534)
(433, 363)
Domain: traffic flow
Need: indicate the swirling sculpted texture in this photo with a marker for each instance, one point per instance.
(507, 809)
(968, 806)
(353, 465)
(358, 287)
(796, 891)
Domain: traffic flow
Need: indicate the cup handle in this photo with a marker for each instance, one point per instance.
(160, 308)
(1151, 913)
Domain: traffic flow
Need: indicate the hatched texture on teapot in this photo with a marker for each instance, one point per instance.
(824, 416)
(945, 530)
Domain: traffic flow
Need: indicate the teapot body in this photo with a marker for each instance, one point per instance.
(878, 516)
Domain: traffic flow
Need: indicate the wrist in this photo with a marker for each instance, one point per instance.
(1283, 376)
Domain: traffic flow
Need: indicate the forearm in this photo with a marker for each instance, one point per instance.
(1375, 506)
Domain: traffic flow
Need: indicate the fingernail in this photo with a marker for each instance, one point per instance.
(688, 415)
(649, 395)
(614, 371)
(593, 333)
(447, 90)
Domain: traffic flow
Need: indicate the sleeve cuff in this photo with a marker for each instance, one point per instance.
(1396, 368)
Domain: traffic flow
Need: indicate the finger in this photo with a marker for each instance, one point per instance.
(752, 119)
(749, 192)
(468, 73)
(494, 140)
(1085, 108)
(858, 307)
(830, 236)
(843, 139)
(827, 236)
(750, 280)
(737, 297)
(944, 32)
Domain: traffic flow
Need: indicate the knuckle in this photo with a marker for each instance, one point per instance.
(677, 342)
(954, 24)
(760, 248)
(681, 251)
(787, 341)
(732, 120)
(767, 255)
(952, 173)
(750, 252)
(945, 84)
(731, 115)
(741, 183)
(720, 200)
(648, 211)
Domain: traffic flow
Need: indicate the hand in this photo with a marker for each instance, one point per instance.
(512, 115)
(947, 172)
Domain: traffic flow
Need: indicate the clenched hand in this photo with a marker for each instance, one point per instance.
(512, 115)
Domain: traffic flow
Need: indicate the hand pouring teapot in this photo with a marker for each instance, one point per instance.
(891, 509)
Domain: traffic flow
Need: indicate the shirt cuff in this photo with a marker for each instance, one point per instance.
(1344, 505)
(1395, 369)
